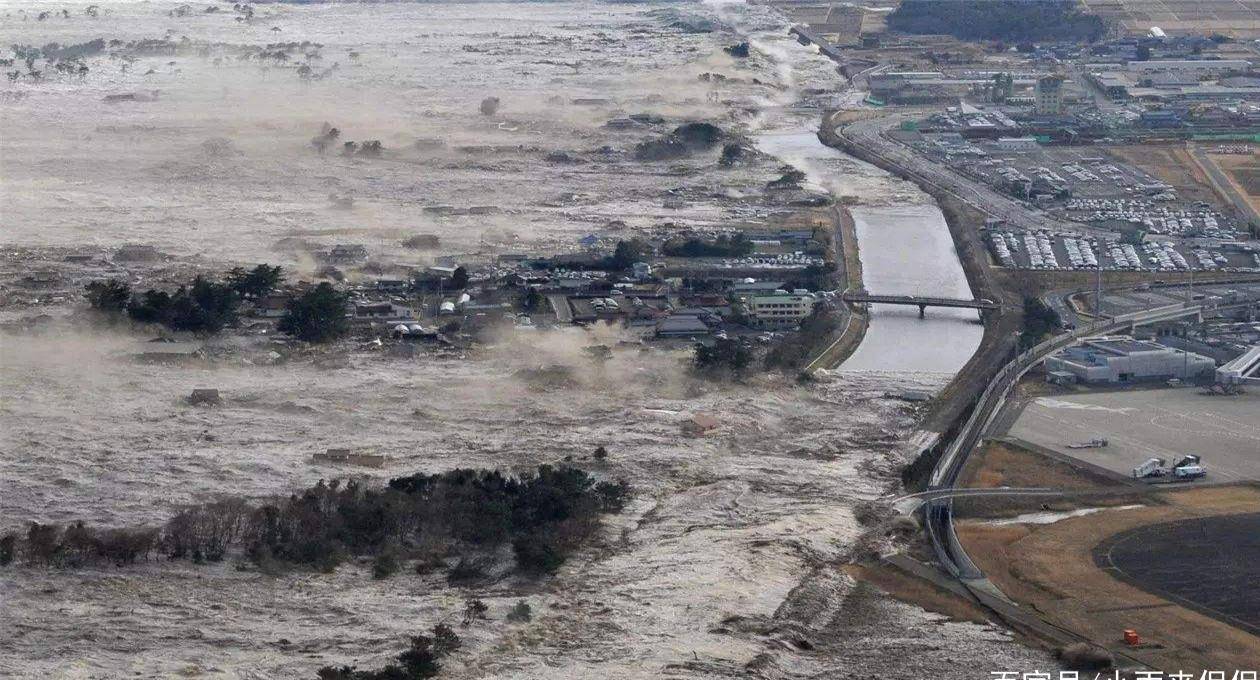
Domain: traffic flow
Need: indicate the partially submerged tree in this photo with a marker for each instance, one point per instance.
(255, 283)
(725, 357)
(203, 307)
(459, 278)
(109, 296)
(319, 315)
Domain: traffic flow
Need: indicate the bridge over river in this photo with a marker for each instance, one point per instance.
(919, 301)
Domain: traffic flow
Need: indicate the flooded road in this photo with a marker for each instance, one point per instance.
(905, 248)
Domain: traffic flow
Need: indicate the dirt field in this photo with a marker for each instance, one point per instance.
(1050, 567)
(1238, 18)
(1244, 172)
(1171, 164)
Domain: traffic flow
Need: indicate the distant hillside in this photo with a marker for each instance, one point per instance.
(1009, 20)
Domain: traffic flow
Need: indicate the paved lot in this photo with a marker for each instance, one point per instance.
(1161, 423)
(1209, 564)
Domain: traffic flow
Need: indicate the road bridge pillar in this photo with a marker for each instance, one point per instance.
(922, 311)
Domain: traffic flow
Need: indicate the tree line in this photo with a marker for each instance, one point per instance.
(463, 515)
(207, 306)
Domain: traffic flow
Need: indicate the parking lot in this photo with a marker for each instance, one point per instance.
(1067, 250)
(1156, 423)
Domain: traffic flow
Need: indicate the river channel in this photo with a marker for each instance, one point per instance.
(905, 248)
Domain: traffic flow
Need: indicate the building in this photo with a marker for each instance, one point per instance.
(1244, 369)
(347, 254)
(1048, 96)
(780, 309)
(136, 253)
(1197, 66)
(1114, 85)
(1015, 144)
(682, 327)
(382, 310)
(1121, 359)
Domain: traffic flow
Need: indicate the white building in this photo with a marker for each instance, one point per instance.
(1015, 143)
(1244, 369)
(1120, 359)
(780, 309)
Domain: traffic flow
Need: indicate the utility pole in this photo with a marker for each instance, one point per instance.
(1185, 337)
(1098, 289)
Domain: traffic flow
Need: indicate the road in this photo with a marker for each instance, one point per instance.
(939, 513)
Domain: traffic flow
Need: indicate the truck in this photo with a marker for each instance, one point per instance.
(1188, 467)
(1152, 467)
(1188, 472)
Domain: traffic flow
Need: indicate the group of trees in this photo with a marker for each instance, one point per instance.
(318, 315)
(1039, 321)
(206, 306)
(1008, 20)
(627, 253)
(724, 358)
(463, 514)
(77, 545)
(203, 306)
(723, 246)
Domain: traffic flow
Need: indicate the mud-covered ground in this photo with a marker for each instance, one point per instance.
(725, 564)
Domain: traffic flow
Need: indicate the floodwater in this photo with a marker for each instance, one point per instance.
(731, 544)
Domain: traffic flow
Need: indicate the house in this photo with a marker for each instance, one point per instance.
(205, 396)
(382, 310)
(162, 351)
(700, 424)
(347, 254)
(392, 285)
(271, 306)
(348, 457)
(686, 326)
(43, 279)
(135, 253)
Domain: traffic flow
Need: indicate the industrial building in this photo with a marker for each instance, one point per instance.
(1121, 359)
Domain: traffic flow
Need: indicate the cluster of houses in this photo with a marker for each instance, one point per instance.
(693, 309)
